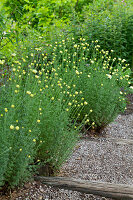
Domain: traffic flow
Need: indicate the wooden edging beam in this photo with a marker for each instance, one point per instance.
(110, 190)
(115, 140)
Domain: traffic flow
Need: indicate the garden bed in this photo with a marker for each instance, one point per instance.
(94, 159)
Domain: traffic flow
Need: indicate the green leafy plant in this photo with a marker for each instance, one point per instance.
(96, 75)
(35, 122)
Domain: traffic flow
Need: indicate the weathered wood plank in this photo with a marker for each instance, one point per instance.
(115, 140)
(121, 141)
(115, 191)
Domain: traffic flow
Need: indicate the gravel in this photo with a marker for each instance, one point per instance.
(121, 128)
(97, 159)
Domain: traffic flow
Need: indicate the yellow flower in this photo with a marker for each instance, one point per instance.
(102, 84)
(36, 76)
(52, 98)
(13, 69)
(87, 120)
(67, 109)
(29, 156)
(1, 115)
(85, 103)
(75, 46)
(30, 131)
(69, 104)
(34, 71)
(11, 127)
(16, 91)
(17, 128)
(20, 149)
(17, 86)
(93, 123)
(17, 121)
(13, 54)
(77, 72)
(6, 110)
(32, 54)
(109, 76)
(40, 109)
(28, 92)
(12, 106)
(32, 95)
(76, 92)
(2, 62)
(34, 140)
(91, 110)
(38, 121)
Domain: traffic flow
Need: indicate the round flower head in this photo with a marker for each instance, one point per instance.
(11, 127)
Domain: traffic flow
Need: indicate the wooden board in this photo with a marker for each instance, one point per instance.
(115, 140)
(110, 190)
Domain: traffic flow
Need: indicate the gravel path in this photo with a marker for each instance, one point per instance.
(97, 159)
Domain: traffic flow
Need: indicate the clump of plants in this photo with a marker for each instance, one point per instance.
(97, 76)
(52, 90)
(35, 122)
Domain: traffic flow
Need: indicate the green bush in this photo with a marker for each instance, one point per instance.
(35, 123)
(96, 75)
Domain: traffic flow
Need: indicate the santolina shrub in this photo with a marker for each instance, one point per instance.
(34, 123)
(97, 76)
(49, 91)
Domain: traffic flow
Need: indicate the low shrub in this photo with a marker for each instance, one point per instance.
(34, 123)
(53, 89)
(96, 75)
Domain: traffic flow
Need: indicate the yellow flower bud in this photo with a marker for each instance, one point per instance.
(11, 127)
(12, 106)
(17, 128)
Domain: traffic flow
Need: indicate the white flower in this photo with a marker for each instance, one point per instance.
(131, 87)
